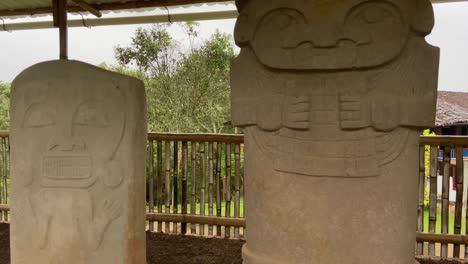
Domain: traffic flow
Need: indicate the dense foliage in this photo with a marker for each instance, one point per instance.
(187, 91)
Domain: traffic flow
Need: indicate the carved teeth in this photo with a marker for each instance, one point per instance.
(67, 167)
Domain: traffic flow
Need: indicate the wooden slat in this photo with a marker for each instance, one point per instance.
(433, 196)
(193, 165)
(445, 198)
(218, 184)
(210, 185)
(459, 199)
(3, 215)
(227, 194)
(175, 183)
(422, 176)
(184, 184)
(151, 181)
(237, 187)
(7, 173)
(197, 219)
(202, 185)
(159, 184)
(167, 183)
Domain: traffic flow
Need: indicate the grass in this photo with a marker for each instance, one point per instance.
(439, 222)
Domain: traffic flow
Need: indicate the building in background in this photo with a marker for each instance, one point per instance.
(452, 120)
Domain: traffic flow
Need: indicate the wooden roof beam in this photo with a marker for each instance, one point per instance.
(88, 7)
(108, 7)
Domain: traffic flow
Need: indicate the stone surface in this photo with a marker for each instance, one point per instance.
(78, 144)
(332, 95)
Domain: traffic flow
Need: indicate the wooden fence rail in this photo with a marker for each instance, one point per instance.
(195, 185)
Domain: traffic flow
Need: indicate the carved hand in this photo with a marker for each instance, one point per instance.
(354, 112)
(385, 112)
(296, 112)
(269, 112)
(110, 210)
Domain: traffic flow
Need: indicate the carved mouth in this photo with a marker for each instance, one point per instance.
(66, 167)
(344, 53)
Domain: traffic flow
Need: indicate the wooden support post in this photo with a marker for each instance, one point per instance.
(60, 21)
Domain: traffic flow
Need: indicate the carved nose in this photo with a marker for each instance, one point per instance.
(324, 38)
(317, 38)
(64, 143)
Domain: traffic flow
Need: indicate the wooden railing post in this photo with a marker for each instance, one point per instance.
(184, 185)
(445, 198)
(159, 185)
(210, 185)
(151, 182)
(422, 183)
(459, 200)
(175, 200)
(237, 187)
(218, 184)
(168, 182)
(193, 164)
(227, 194)
(202, 185)
(433, 196)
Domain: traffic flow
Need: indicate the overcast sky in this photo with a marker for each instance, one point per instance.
(21, 49)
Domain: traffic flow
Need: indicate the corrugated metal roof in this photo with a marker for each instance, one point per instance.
(22, 8)
(34, 4)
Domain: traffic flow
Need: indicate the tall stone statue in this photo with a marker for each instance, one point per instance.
(78, 144)
(332, 96)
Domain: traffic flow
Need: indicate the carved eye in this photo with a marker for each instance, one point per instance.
(283, 18)
(38, 115)
(373, 13)
(90, 114)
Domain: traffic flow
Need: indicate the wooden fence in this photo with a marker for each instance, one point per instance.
(441, 229)
(195, 186)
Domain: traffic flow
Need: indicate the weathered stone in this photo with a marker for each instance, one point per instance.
(332, 95)
(78, 137)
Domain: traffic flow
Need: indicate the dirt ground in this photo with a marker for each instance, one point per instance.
(177, 249)
(167, 249)
(440, 261)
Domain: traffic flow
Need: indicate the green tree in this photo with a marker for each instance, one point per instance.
(4, 106)
(186, 92)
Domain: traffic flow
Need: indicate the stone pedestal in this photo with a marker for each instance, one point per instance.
(78, 144)
(332, 96)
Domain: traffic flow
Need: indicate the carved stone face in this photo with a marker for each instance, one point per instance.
(72, 130)
(326, 34)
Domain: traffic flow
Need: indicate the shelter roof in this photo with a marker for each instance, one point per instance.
(21, 8)
(452, 109)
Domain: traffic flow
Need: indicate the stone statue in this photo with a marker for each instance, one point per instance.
(332, 95)
(78, 137)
